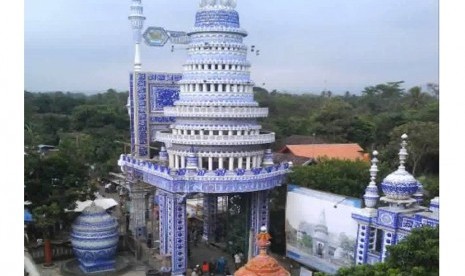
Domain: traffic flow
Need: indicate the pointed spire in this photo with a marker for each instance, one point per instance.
(371, 195)
(403, 152)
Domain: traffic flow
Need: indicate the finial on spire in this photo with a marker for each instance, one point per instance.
(374, 168)
(371, 195)
(263, 239)
(403, 152)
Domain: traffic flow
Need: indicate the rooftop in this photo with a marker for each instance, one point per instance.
(333, 151)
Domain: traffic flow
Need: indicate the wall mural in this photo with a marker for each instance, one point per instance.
(322, 235)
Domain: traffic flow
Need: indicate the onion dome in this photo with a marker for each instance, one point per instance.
(262, 264)
(371, 195)
(400, 185)
(94, 238)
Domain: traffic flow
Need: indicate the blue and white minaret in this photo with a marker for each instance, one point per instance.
(380, 227)
(137, 19)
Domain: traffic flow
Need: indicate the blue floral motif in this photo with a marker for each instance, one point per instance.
(163, 96)
(240, 171)
(220, 172)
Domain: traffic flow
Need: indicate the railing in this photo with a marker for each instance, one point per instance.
(221, 112)
(60, 251)
(203, 174)
(216, 139)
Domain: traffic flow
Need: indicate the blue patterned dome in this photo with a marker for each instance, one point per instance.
(400, 185)
(94, 238)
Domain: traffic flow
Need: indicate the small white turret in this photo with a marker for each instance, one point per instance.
(371, 192)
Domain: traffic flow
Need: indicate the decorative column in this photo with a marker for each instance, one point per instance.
(363, 243)
(177, 233)
(173, 229)
(210, 210)
(138, 223)
(162, 222)
(259, 214)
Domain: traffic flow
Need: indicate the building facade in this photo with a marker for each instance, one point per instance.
(382, 226)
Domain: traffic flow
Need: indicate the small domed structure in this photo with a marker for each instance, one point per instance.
(94, 238)
(400, 185)
(262, 264)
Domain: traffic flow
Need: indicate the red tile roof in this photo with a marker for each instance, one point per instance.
(336, 151)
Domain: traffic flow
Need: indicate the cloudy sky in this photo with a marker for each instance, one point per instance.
(305, 45)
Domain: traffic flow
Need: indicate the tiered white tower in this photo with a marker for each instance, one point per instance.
(216, 112)
(215, 147)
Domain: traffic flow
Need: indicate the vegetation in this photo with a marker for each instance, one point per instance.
(87, 128)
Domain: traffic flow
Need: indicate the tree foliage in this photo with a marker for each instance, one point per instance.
(343, 177)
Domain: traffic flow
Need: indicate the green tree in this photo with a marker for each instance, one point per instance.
(333, 120)
(342, 177)
(423, 145)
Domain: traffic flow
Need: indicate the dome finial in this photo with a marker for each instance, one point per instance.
(371, 192)
(403, 152)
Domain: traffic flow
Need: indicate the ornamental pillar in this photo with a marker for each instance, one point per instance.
(171, 160)
(231, 163)
(363, 244)
(254, 161)
(162, 222)
(183, 161)
(259, 215)
(173, 229)
(176, 162)
(220, 162)
(247, 163)
(200, 162)
(239, 163)
(137, 223)
(210, 211)
(210, 163)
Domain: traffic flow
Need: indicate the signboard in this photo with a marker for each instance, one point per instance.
(320, 231)
(155, 36)
(158, 36)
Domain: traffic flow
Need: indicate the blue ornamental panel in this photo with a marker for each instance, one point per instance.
(163, 95)
(217, 18)
(131, 111)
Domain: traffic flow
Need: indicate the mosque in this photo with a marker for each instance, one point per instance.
(388, 224)
(212, 145)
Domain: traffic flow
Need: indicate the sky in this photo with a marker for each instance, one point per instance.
(305, 45)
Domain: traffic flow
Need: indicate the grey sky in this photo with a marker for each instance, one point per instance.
(305, 45)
